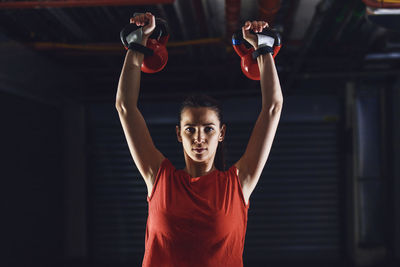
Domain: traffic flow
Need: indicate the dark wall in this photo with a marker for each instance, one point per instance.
(395, 163)
(32, 180)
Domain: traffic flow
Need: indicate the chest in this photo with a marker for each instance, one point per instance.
(216, 206)
(194, 224)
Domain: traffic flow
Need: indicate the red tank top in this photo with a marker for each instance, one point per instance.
(195, 221)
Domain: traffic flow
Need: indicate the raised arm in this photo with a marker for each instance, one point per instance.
(145, 155)
(251, 164)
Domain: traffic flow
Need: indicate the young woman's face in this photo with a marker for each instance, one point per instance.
(200, 133)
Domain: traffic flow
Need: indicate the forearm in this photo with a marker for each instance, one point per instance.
(129, 81)
(270, 87)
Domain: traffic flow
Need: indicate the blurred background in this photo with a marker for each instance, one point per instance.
(329, 194)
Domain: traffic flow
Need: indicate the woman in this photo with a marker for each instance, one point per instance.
(198, 215)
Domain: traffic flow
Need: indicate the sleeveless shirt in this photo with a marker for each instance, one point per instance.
(198, 221)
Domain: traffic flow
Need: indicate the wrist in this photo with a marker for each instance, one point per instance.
(135, 57)
(144, 41)
(264, 59)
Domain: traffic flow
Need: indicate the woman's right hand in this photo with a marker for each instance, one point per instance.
(148, 21)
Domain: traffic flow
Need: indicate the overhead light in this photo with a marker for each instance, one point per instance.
(379, 56)
(383, 11)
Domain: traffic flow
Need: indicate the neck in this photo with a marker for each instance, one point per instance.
(197, 169)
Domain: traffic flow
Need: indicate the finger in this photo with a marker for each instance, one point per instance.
(152, 20)
(246, 28)
(148, 16)
(254, 25)
(244, 31)
(142, 19)
(247, 25)
(259, 26)
(143, 22)
(134, 19)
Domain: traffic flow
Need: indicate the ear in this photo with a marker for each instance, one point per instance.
(222, 133)
(178, 134)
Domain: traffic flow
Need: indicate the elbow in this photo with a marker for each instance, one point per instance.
(120, 106)
(123, 107)
(275, 108)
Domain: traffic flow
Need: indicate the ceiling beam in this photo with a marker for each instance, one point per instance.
(78, 3)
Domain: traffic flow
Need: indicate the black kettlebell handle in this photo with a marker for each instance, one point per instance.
(266, 31)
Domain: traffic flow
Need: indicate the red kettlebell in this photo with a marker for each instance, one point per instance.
(244, 49)
(156, 54)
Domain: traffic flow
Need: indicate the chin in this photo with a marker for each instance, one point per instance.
(194, 155)
(202, 155)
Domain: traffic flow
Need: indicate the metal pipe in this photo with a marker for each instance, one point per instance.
(382, 3)
(232, 14)
(112, 46)
(268, 9)
(78, 3)
(200, 17)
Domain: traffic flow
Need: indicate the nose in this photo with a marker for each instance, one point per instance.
(198, 141)
(199, 137)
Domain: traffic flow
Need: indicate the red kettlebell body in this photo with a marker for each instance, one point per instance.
(250, 66)
(159, 59)
(247, 63)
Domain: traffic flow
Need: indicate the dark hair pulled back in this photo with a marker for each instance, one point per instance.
(202, 100)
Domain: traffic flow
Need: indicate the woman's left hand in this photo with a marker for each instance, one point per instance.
(256, 26)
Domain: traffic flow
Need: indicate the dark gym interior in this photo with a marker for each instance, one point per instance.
(329, 194)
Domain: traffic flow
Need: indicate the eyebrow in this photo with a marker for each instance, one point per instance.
(188, 124)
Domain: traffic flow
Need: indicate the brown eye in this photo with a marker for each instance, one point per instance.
(209, 129)
(190, 129)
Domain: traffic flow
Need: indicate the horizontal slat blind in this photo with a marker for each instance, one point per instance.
(294, 210)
